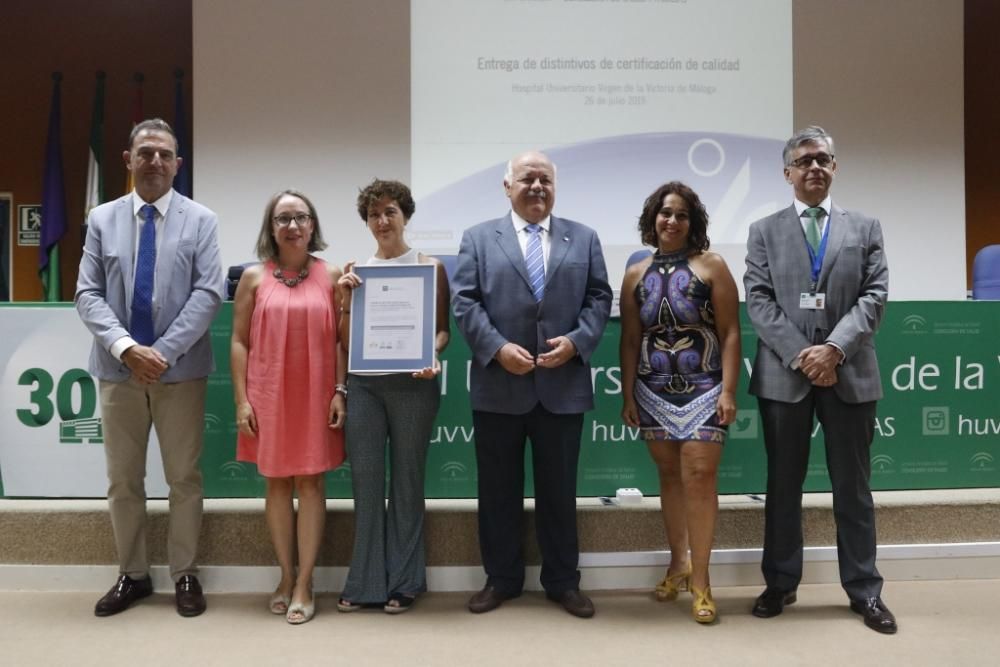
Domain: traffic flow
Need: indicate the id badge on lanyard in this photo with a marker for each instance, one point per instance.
(813, 300)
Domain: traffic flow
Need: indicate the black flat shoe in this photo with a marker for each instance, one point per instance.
(125, 591)
(772, 602)
(877, 615)
(190, 599)
(574, 602)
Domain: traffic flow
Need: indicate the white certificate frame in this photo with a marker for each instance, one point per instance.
(360, 297)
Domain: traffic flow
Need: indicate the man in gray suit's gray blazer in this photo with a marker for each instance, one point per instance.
(149, 286)
(816, 286)
(531, 296)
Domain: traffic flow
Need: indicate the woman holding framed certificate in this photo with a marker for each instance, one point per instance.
(288, 383)
(398, 407)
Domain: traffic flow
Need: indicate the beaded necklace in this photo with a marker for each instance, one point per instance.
(279, 275)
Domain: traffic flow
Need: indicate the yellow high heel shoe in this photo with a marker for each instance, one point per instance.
(703, 607)
(672, 584)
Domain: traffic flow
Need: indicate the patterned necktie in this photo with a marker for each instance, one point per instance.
(534, 261)
(812, 227)
(142, 288)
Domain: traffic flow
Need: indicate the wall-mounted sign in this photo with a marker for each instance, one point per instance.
(29, 224)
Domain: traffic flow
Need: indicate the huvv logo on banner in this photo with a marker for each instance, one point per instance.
(77, 422)
(936, 420)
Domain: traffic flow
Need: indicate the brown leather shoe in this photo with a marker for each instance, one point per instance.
(487, 599)
(575, 603)
(125, 591)
(190, 599)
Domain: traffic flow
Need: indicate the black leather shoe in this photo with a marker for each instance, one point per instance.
(772, 602)
(487, 599)
(125, 591)
(877, 615)
(190, 599)
(575, 603)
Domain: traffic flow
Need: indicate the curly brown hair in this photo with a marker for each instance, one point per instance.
(697, 215)
(378, 190)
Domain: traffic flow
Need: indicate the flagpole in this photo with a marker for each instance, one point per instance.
(136, 119)
(53, 225)
(95, 162)
(182, 183)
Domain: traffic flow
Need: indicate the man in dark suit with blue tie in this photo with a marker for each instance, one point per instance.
(531, 297)
(816, 286)
(149, 286)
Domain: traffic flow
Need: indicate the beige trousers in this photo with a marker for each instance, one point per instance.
(177, 412)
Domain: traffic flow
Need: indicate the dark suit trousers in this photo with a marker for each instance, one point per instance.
(555, 449)
(848, 430)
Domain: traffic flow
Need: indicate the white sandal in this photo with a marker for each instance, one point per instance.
(278, 604)
(299, 612)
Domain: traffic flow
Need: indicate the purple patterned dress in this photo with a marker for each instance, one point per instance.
(680, 363)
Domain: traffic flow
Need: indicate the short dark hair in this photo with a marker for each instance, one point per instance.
(697, 215)
(267, 247)
(805, 136)
(152, 125)
(378, 190)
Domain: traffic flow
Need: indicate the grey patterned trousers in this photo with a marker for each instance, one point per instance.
(388, 554)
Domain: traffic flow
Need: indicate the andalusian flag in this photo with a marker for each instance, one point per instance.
(95, 168)
(136, 119)
(53, 202)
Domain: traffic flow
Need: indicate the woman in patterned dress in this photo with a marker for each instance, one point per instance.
(680, 359)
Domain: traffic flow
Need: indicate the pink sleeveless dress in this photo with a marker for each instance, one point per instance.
(291, 373)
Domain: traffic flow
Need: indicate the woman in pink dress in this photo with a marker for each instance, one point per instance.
(288, 379)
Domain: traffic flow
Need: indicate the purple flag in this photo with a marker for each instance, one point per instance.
(53, 225)
(182, 182)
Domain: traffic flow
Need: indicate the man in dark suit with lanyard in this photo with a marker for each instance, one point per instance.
(816, 286)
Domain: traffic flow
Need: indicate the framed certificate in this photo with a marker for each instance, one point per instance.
(392, 318)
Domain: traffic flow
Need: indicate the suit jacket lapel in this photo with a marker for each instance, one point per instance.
(835, 240)
(507, 241)
(125, 243)
(559, 242)
(166, 255)
(795, 242)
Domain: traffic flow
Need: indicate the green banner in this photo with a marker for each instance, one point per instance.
(938, 425)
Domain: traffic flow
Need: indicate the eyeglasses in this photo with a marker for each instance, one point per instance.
(285, 220)
(824, 160)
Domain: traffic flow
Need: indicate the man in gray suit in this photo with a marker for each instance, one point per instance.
(816, 286)
(150, 283)
(531, 297)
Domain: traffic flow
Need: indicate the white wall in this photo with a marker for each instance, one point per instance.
(315, 94)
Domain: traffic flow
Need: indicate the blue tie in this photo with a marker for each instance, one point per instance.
(142, 289)
(534, 261)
